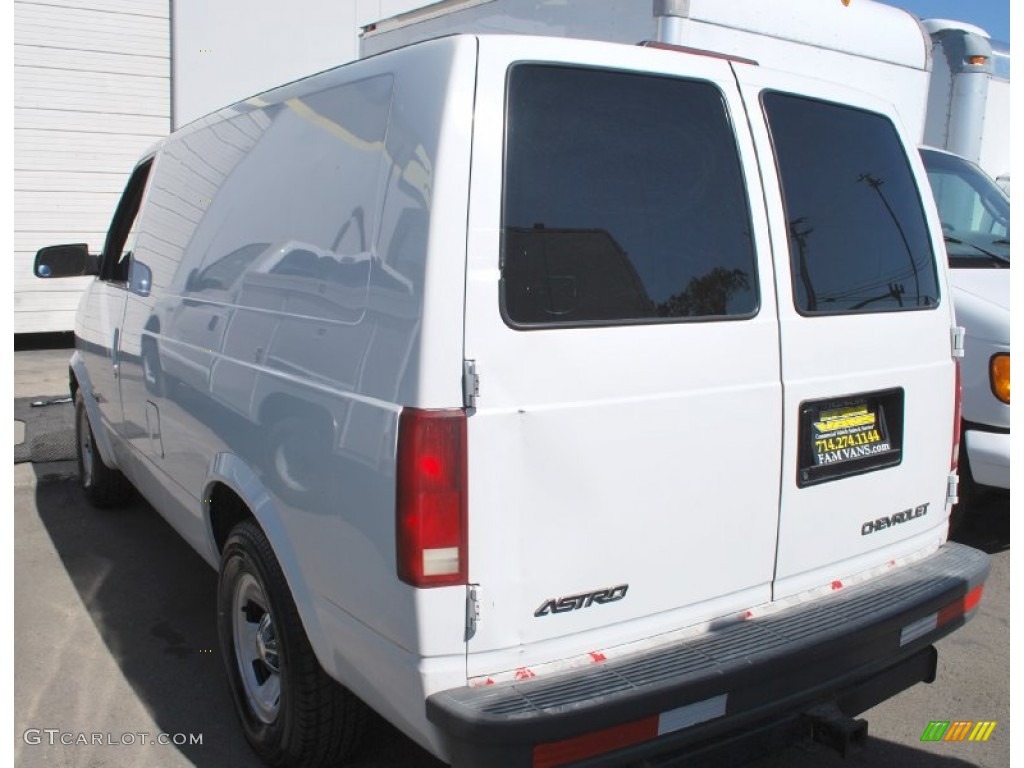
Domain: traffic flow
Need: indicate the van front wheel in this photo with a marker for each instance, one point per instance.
(103, 487)
(292, 712)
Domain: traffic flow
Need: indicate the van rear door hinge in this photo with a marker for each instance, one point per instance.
(470, 384)
(952, 489)
(956, 337)
(473, 594)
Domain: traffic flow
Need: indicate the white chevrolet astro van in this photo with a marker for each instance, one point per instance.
(562, 401)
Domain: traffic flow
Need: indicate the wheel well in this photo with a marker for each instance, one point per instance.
(226, 511)
(72, 382)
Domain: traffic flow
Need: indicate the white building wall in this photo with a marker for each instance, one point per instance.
(228, 50)
(91, 92)
(93, 84)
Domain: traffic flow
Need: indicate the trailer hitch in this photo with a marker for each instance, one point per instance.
(831, 727)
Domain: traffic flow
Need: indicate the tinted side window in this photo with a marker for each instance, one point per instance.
(858, 239)
(117, 250)
(624, 201)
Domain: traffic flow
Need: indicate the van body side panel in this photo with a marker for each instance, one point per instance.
(288, 238)
(868, 346)
(614, 465)
(99, 327)
(97, 341)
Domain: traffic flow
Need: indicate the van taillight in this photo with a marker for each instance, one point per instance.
(430, 507)
(958, 407)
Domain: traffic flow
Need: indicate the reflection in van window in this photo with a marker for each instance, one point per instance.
(974, 211)
(858, 239)
(624, 200)
(222, 273)
(298, 263)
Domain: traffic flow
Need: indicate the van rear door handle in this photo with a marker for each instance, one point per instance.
(213, 322)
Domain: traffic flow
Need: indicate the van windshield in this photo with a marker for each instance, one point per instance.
(974, 211)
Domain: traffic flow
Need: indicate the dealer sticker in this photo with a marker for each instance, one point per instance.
(850, 432)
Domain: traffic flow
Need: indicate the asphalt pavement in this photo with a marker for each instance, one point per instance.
(115, 643)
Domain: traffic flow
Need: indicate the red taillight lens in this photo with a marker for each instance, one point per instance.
(958, 407)
(430, 495)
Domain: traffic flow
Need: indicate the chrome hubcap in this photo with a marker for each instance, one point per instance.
(256, 648)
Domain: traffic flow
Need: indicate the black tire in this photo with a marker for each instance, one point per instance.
(315, 720)
(105, 488)
(152, 372)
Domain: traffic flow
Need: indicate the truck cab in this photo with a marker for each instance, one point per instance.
(975, 217)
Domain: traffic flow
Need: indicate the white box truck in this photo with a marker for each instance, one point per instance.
(968, 110)
(948, 80)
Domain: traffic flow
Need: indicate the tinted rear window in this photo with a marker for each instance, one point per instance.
(857, 234)
(624, 201)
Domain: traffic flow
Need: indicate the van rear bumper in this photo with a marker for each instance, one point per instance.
(709, 695)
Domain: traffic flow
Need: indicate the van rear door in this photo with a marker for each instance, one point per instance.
(865, 324)
(624, 447)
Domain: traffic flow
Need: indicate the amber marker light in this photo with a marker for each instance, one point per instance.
(977, 61)
(999, 375)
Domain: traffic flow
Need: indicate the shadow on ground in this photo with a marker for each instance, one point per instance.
(877, 753)
(152, 599)
(987, 526)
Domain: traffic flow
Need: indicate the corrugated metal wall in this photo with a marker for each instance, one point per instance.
(91, 92)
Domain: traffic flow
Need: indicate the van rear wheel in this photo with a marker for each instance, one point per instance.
(292, 712)
(104, 487)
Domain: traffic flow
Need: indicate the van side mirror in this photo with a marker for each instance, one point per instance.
(65, 261)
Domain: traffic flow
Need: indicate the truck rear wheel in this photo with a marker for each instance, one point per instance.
(292, 712)
(104, 487)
